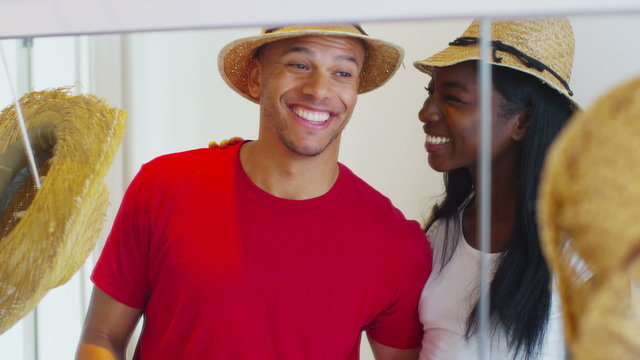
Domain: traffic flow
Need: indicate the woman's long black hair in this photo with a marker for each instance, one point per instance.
(520, 289)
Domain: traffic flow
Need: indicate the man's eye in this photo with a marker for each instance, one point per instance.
(298, 66)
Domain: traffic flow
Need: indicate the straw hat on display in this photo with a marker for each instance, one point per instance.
(543, 48)
(46, 234)
(382, 58)
(589, 211)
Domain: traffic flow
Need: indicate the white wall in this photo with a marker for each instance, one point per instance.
(37, 17)
(168, 82)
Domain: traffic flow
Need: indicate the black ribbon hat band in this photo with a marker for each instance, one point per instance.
(522, 57)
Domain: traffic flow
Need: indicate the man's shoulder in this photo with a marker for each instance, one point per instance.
(364, 189)
(177, 157)
(185, 167)
(192, 159)
(377, 205)
(403, 238)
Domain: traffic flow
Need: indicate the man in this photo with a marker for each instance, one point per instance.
(268, 249)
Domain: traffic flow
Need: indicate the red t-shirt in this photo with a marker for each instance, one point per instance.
(224, 270)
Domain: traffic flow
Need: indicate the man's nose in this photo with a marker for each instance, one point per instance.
(317, 85)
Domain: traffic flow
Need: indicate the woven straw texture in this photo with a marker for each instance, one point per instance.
(381, 61)
(589, 213)
(549, 40)
(46, 241)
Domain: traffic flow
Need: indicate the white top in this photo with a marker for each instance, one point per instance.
(448, 298)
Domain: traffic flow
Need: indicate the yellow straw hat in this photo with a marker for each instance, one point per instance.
(589, 216)
(47, 234)
(382, 58)
(543, 48)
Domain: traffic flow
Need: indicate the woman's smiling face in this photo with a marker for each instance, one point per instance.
(451, 117)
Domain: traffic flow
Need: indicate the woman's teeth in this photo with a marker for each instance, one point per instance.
(437, 140)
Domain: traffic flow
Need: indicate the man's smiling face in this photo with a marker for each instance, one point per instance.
(307, 88)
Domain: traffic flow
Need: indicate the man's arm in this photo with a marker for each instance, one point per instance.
(383, 352)
(107, 328)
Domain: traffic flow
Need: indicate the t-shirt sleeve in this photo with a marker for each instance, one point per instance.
(122, 268)
(399, 326)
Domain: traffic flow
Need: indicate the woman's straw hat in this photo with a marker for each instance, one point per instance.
(541, 47)
(47, 234)
(589, 216)
(382, 58)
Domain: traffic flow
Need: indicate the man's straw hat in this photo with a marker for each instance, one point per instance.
(382, 58)
(47, 234)
(589, 216)
(541, 47)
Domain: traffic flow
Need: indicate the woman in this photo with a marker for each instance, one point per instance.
(531, 101)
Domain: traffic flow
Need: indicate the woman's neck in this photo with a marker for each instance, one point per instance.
(504, 202)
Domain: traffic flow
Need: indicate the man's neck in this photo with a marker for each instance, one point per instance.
(287, 175)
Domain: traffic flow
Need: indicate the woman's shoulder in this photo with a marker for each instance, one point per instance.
(440, 230)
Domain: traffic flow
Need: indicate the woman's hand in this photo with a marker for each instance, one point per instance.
(224, 143)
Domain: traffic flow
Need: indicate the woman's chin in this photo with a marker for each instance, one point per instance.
(437, 166)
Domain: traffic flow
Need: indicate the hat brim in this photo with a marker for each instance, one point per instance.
(588, 176)
(54, 233)
(453, 55)
(382, 58)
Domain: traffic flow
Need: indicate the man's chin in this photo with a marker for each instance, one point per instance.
(307, 150)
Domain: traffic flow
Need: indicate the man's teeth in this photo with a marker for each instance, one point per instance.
(315, 116)
(436, 140)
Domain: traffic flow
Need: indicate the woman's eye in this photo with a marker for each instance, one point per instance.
(453, 98)
(429, 90)
(343, 74)
(298, 66)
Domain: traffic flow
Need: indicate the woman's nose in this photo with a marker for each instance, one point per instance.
(428, 112)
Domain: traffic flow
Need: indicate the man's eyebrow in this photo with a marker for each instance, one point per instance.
(296, 48)
(302, 49)
(347, 58)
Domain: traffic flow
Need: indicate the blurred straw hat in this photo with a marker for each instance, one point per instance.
(543, 48)
(47, 234)
(382, 58)
(589, 216)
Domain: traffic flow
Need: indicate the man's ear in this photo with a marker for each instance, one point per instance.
(522, 125)
(253, 81)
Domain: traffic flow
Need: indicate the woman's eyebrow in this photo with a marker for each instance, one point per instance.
(455, 85)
